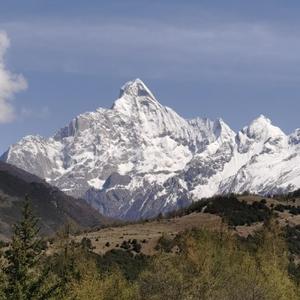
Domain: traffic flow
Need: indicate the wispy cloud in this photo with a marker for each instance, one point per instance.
(9, 84)
(161, 49)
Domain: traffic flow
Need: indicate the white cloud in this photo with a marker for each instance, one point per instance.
(9, 84)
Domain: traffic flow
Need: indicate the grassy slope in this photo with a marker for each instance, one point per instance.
(151, 231)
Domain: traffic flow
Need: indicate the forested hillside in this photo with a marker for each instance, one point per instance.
(197, 263)
(52, 207)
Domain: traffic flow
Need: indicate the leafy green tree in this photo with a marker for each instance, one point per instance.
(25, 277)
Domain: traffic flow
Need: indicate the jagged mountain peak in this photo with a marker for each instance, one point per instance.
(294, 138)
(260, 122)
(221, 129)
(136, 97)
(156, 159)
(262, 118)
(262, 128)
(136, 88)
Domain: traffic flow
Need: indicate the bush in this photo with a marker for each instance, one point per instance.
(263, 201)
(137, 248)
(129, 264)
(125, 245)
(3, 244)
(86, 243)
(164, 244)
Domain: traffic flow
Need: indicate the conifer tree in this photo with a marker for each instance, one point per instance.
(26, 279)
(2, 277)
(66, 261)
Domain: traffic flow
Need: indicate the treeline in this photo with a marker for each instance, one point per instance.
(197, 264)
(230, 208)
(289, 196)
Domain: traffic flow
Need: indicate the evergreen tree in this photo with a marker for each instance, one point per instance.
(25, 278)
(66, 259)
(2, 277)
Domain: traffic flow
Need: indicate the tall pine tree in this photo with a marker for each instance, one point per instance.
(25, 278)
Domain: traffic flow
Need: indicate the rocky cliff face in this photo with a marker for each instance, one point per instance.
(140, 158)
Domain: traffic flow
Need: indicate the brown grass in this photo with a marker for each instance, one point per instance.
(149, 231)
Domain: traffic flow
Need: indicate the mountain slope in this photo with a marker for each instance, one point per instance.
(53, 207)
(140, 158)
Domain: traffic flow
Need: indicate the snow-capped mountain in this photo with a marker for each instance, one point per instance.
(140, 158)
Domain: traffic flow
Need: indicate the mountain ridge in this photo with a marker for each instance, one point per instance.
(53, 208)
(158, 160)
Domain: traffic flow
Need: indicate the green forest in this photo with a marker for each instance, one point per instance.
(196, 264)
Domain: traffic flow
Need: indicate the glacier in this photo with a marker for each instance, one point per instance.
(140, 158)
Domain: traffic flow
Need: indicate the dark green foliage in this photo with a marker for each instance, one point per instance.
(131, 245)
(25, 278)
(263, 201)
(295, 194)
(131, 265)
(64, 262)
(196, 206)
(294, 271)
(280, 207)
(246, 193)
(137, 248)
(125, 245)
(86, 244)
(292, 235)
(288, 197)
(236, 212)
(230, 208)
(294, 210)
(44, 245)
(3, 244)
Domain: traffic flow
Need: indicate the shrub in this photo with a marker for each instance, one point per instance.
(125, 245)
(137, 248)
(86, 243)
(164, 244)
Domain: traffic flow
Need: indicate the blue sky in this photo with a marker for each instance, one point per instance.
(229, 59)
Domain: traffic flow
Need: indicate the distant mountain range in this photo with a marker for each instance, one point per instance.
(53, 208)
(140, 158)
